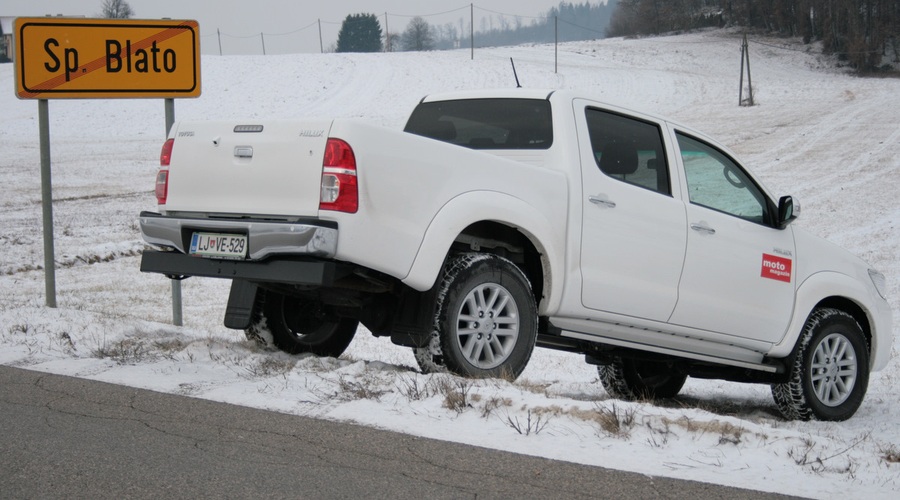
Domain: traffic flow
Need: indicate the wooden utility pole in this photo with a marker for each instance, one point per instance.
(556, 44)
(321, 46)
(387, 34)
(745, 56)
(472, 28)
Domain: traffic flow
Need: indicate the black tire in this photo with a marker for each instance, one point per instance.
(634, 380)
(829, 371)
(486, 317)
(300, 326)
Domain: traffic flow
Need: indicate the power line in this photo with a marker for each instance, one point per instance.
(808, 51)
(507, 14)
(464, 7)
(579, 26)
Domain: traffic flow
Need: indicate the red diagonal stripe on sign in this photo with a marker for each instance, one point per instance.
(100, 62)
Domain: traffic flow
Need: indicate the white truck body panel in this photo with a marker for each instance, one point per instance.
(405, 192)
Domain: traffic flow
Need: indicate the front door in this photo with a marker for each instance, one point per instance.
(738, 274)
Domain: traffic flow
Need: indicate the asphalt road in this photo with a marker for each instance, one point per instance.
(63, 437)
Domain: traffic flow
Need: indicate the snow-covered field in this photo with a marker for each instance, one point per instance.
(827, 138)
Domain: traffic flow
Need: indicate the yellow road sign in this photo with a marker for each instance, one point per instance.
(106, 58)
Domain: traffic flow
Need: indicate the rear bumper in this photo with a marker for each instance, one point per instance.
(297, 252)
(311, 238)
(277, 270)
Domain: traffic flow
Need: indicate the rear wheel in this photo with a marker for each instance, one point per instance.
(299, 325)
(633, 380)
(486, 319)
(830, 371)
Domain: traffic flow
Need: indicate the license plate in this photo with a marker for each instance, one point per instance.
(220, 246)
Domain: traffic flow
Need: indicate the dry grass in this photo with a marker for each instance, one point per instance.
(615, 421)
(890, 454)
(414, 389)
(534, 423)
(456, 394)
(66, 341)
(171, 345)
(124, 352)
(533, 387)
(612, 420)
(808, 455)
(19, 329)
(271, 367)
(728, 433)
(494, 403)
(366, 388)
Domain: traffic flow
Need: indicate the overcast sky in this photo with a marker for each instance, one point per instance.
(291, 25)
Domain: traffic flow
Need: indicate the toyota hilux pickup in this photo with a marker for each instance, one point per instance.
(501, 220)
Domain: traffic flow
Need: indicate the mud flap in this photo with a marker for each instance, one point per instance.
(239, 312)
(414, 322)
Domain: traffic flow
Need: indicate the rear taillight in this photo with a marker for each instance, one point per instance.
(339, 187)
(162, 186)
(162, 177)
(165, 156)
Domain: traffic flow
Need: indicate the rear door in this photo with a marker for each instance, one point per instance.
(633, 229)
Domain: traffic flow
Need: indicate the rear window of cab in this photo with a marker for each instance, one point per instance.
(485, 123)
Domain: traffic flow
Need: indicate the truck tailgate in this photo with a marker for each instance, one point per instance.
(247, 168)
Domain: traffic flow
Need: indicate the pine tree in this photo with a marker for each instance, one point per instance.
(360, 33)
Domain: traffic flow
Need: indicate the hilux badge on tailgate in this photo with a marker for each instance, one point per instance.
(312, 133)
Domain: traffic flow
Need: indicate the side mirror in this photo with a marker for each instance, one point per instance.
(787, 211)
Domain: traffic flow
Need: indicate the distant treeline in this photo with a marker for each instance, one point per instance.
(584, 21)
(862, 32)
(575, 21)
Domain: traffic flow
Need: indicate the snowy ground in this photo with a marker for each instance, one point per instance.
(825, 137)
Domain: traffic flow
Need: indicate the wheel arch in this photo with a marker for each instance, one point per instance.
(512, 225)
(853, 309)
(817, 292)
(509, 242)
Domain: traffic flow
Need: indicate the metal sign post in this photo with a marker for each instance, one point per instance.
(47, 203)
(176, 284)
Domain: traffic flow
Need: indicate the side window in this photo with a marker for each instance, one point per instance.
(629, 150)
(717, 182)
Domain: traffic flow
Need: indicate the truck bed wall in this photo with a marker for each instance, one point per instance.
(417, 194)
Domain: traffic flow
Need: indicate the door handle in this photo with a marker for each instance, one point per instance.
(596, 200)
(702, 227)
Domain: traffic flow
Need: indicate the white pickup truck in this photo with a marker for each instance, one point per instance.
(501, 220)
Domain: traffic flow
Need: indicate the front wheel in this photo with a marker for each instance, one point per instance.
(486, 318)
(634, 380)
(300, 325)
(830, 372)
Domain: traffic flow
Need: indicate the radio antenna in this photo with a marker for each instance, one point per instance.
(518, 85)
